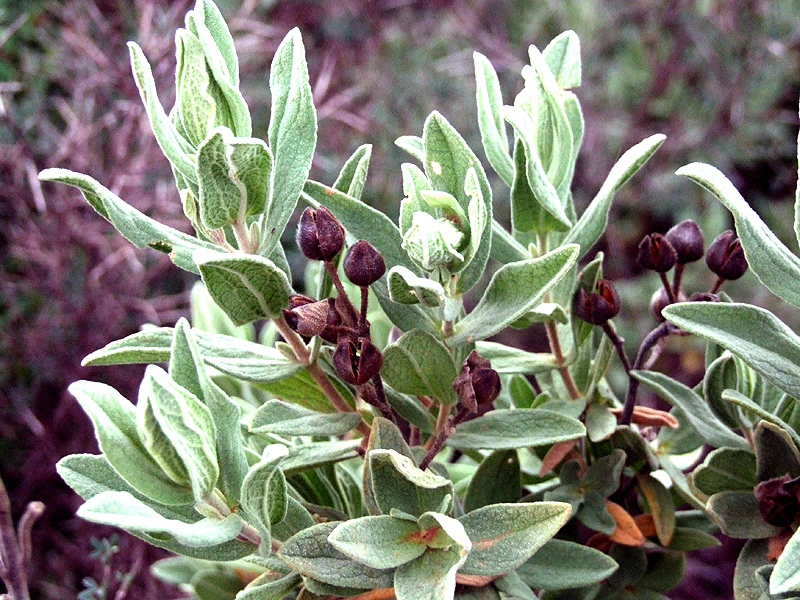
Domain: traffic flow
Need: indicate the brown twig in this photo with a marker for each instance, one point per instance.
(15, 546)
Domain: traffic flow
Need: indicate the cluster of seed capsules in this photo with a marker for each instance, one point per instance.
(681, 245)
(356, 359)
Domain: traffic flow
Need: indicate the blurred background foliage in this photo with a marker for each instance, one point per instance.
(719, 77)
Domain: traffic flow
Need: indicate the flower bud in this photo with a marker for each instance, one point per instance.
(687, 240)
(477, 384)
(597, 307)
(432, 242)
(308, 319)
(656, 253)
(357, 363)
(725, 256)
(319, 234)
(363, 264)
(779, 500)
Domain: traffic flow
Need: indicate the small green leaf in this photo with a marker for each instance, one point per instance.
(300, 388)
(506, 535)
(786, 576)
(745, 402)
(543, 194)
(725, 469)
(311, 554)
(247, 287)
(721, 375)
(497, 480)
(432, 576)
(685, 539)
(310, 456)
(560, 564)
(710, 428)
(398, 483)
(516, 428)
(746, 584)
(174, 146)
(406, 288)
(270, 589)
(179, 431)
(417, 363)
(772, 441)
(292, 135)
(139, 229)
(594, 219)
(563, 56)
(737, 514)
(196, 107)
(282, 418)
(514, 290)
(507, 359)
(353, 175)
(385, 435)
(490, 122)
(231, 355)
(264, 490)
(754, 334)
(114, 420)
(234, 178)
(661, 505)
(380, 542)
(665, 570)
(772, 262)
(187, 370)
(121, 509)
(413, 145)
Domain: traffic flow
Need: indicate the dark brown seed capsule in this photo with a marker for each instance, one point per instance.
(363, 264)
(477, 384)
(687, 240)
(725, 256)
(598, 306)
(656, 253)
(357, 363)
(308, 319)
(319, 235)
(779, 500)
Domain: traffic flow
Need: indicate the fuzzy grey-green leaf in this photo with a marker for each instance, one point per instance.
(247, 287)
(417, 363)
(380, 542)
(490, 122)
(514, 290)
(179, 431)
(260, 496)
(752, 333)
(292, 134)
(772, 262)
(282, 418)
(114, 419)
(398, 483)
(139, 229)
(506, 535)
(594, 219)
(560, 564)
(710, 428)
(516, 428)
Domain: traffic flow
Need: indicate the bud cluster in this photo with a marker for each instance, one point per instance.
(779, 500)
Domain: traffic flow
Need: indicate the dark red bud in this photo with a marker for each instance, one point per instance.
(597, 307)
(725, 256)
(357, 364)
(363, 264)
(656, 253)
(477, 384)
(778, 500)
(319, 234)
(687, 240)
